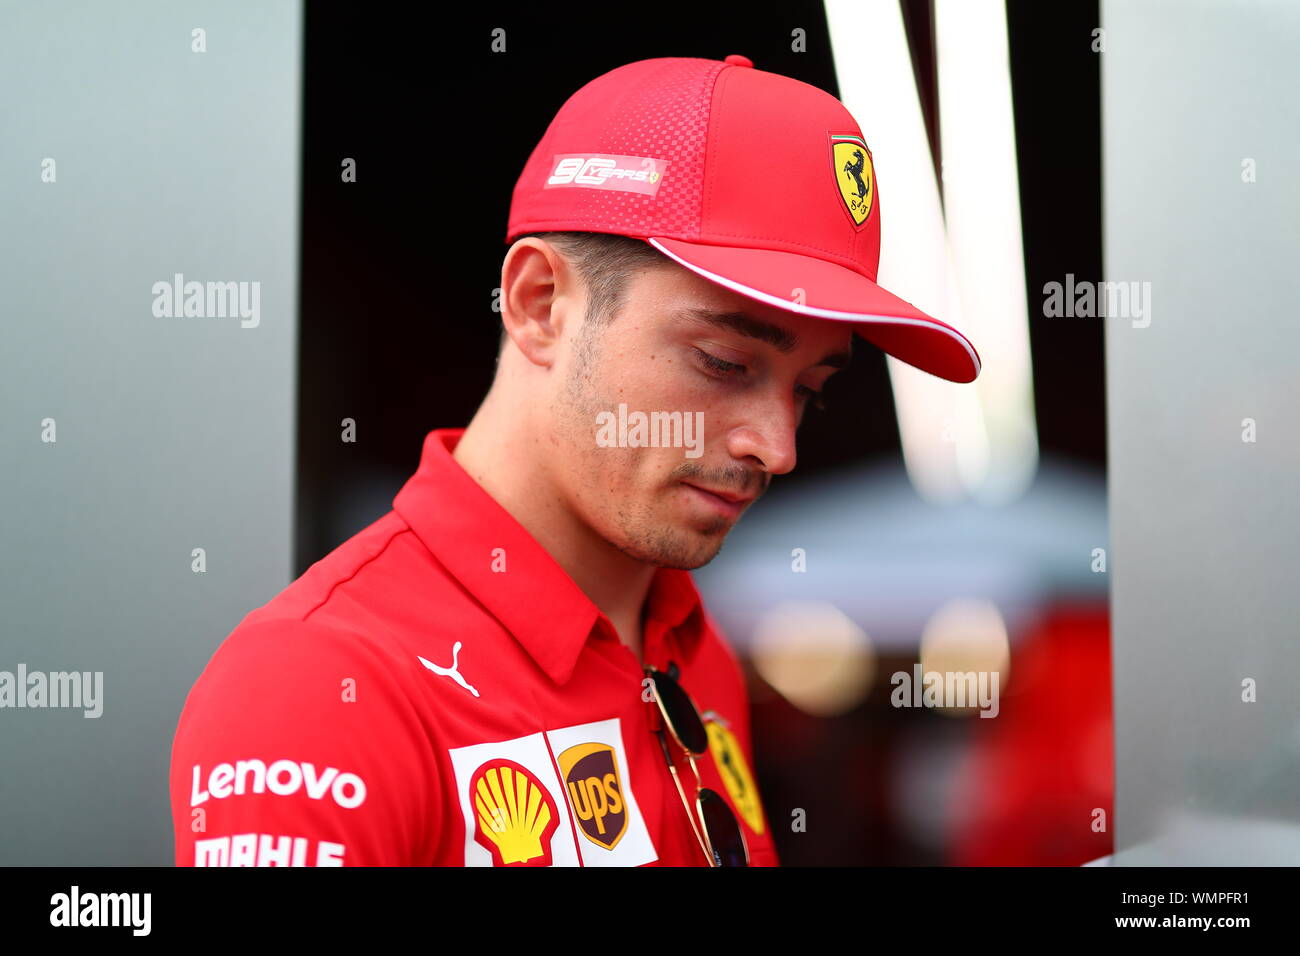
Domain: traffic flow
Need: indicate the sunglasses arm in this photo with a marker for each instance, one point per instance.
(672, 767)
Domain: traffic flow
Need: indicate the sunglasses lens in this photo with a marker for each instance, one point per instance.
(724, 830)
(681, 713)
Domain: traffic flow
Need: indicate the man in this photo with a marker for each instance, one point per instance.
(513, 667)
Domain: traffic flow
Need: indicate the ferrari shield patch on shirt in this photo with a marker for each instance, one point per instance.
(734, 769)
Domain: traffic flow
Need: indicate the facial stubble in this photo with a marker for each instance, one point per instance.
(637, 531)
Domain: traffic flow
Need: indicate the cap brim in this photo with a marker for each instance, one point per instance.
(833, 292)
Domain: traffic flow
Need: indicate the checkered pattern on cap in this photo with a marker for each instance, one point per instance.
(657, 108)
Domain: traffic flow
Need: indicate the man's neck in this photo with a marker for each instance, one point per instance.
(502, 461)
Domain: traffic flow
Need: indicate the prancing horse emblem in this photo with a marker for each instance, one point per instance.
(854, 175)
(451, 671)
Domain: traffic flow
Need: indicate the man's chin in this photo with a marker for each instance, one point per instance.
(698, 560)
(689, 549)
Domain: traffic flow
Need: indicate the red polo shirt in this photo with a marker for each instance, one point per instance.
(438, 691)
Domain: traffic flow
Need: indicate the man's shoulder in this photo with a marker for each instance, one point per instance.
(291, 661)
(373, 600)
(319, 593)
(323, 617)
(373, 583)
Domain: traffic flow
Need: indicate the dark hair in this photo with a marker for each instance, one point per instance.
(606, 263)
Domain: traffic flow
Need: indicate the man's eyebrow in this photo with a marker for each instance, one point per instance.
(745, 324)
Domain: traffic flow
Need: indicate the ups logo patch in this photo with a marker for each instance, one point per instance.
(590, 773)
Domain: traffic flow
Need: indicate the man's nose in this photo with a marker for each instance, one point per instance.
(768, 435)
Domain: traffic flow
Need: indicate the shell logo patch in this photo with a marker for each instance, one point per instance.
(855, 177)
(516, 816)
(734, 770)
(590, 773)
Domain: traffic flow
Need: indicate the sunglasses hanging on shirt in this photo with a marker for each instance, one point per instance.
(718, 830)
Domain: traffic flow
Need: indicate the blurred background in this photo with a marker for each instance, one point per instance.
(1020, 146)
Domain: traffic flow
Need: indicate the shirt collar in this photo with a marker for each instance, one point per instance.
(470, 533)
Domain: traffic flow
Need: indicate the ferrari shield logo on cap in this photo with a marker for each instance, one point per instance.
(854, 175)
(734, 770)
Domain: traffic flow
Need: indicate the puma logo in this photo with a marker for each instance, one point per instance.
(451, 671)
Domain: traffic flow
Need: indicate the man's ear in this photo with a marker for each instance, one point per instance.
(539, 296)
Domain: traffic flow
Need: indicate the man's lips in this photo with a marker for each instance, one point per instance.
(726, 501)
(731, 496)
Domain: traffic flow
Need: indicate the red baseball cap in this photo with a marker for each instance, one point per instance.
(759, 182)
